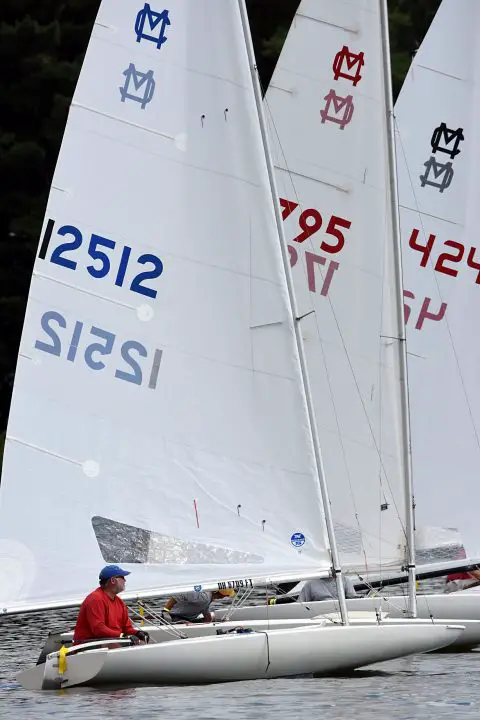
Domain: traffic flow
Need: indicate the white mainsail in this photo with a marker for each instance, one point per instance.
(439, 179)
(327, 105)
(158, 418)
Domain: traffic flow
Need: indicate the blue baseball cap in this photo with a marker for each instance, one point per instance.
(112, 571)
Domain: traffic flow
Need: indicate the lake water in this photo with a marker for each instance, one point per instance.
(424, 687)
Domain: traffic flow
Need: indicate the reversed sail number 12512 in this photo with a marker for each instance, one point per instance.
(56, 343)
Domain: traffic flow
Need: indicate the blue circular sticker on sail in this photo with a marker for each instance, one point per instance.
(297, 539)
(197, 588)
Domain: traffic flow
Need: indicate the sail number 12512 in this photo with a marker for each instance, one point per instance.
(109, 258)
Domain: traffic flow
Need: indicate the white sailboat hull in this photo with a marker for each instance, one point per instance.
(457, 607)
(168, 633)
(469, 639)
(259, 655)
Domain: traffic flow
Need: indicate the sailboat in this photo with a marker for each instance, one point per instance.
(160, 414)
(440, 278)
(335, 192)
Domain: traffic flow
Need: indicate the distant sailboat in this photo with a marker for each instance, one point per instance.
(437, 117)
(332, 156)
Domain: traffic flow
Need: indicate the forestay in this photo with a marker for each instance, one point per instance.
(158, 418)
(438, 142)
(327, 109)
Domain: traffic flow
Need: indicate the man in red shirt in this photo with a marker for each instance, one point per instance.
(103, 614)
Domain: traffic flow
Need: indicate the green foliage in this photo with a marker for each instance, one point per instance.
(41, 50)
(409, 21)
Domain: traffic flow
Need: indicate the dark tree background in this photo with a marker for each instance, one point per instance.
(42, 43)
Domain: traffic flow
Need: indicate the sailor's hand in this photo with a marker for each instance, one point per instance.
(143, 636)
(135, 640)
(165, 615)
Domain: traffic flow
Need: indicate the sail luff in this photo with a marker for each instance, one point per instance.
(401, 340)
(337, 570)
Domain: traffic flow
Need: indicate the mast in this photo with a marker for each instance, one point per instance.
(402, 343)
(293, 306)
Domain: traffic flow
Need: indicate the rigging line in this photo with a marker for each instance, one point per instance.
(339, 332)
(388, 599)
(233, 605)
(377, 591)
(370, 588)
(430, 263)
(168, 627)
(237, 603)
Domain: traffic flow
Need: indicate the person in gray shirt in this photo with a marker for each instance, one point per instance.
(318, 589)
(188, 606)
(325, 589)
